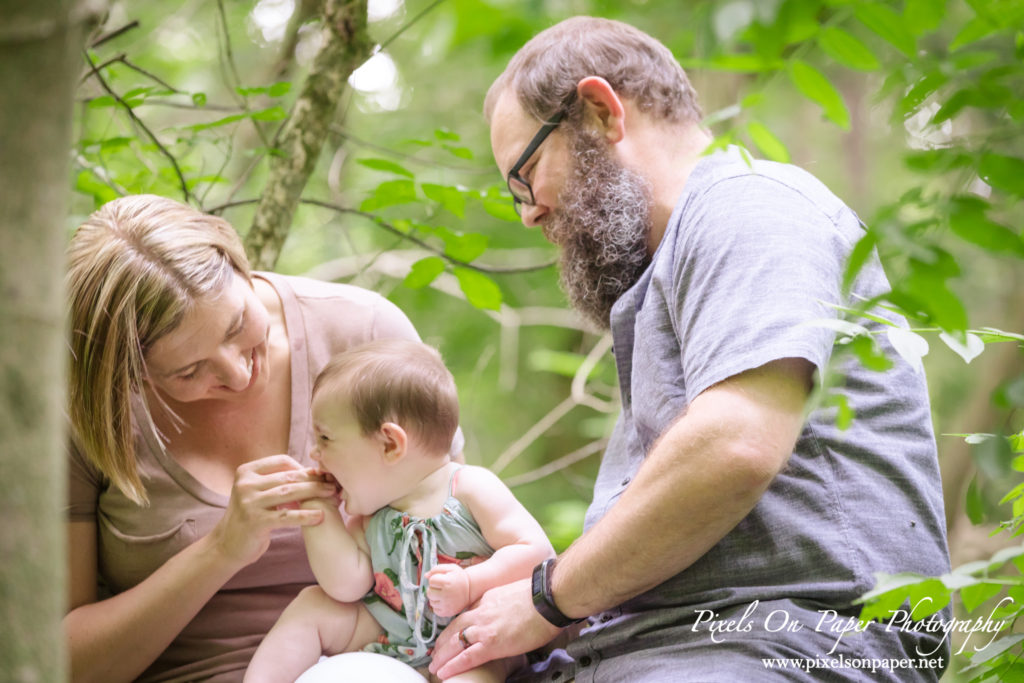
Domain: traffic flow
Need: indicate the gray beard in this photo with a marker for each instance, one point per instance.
(602, 226)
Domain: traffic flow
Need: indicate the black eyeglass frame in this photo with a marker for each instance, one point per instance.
(518, 199)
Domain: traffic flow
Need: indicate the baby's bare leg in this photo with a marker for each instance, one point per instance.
(313, 624)
(495, 671)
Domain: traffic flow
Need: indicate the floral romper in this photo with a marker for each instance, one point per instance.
(404, 548)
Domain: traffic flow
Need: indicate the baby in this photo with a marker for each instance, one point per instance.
(426, 536)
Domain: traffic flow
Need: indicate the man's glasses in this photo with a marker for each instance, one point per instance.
(522, 192)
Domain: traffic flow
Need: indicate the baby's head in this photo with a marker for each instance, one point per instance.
(399, 381)
(373, 404)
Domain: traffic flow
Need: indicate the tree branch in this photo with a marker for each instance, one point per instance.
(135, 119)
(346, 46)
(377, 220)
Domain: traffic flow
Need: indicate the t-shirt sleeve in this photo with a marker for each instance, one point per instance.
(389, 322)
(760, 264)
(84, 485)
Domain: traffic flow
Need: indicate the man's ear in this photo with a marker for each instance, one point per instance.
(395, 441)
(603, 108)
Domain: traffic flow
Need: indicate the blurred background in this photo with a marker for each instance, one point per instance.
(909, 111)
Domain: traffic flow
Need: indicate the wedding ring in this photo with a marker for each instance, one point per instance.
(463, 639)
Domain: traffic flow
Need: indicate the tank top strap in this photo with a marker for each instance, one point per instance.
(451, 480)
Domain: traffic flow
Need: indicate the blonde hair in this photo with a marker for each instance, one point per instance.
(400, 381)
(545, 71)
(136, 267)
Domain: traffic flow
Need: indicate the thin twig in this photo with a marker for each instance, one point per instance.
(400, 31)
(557, 465)
(532, 434)
(115, 33)
(504, 270)
(135, 119)
(405, 155)
(123, 58)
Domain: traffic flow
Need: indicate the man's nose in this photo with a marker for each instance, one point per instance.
(531, 214)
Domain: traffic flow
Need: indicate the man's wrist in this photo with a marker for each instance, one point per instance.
(543, 600)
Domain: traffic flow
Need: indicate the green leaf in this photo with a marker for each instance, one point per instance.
(920, 91)
(969, 348)
(858, 257)
(968, 221)
(973, 31)
(744, 63)
(386, 166)
(911, 346)
(480, 290)
(927, 598)
(87, 183)
(562, 363)
(275, 113)
(996, 648)
(844, 413)
(813, 84)
(451, 198)
(199, 99)
(885, 23)
(846, 49)
(922, 16)
(465, 248)
(770, 146)
(275, 90)
(991, 334)
(723, 114)
(445, 134)
(936, 160)
(423, 272)
(869, 354)
(973, 596)
(390, 193)
(501, 208)
(1003, 172)
(459, 152)
(975, 506)
(102, 101)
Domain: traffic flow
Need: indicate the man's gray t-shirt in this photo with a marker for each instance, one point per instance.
(753, 255)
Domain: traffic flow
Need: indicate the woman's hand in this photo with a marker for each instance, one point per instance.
(265, 496)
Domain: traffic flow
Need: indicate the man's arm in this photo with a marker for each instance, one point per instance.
(703, 475)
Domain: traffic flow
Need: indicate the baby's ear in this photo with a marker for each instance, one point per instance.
(395, 441)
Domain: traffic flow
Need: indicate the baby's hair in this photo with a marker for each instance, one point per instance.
(400, 381)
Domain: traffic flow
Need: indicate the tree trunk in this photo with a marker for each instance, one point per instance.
(346, 45)
(40, 57)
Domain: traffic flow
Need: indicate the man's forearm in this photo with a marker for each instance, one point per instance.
(701, 478)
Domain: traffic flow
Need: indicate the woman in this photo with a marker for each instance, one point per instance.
(190, 382)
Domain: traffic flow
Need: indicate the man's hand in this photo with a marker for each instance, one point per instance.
(502, 624)
(447, 589)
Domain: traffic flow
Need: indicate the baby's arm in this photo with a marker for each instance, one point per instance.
(519, 543)
(338, 556)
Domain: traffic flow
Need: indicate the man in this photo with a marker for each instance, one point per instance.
(727, 527)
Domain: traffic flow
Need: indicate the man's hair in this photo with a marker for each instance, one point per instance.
(136, 267)
(545, 71)
(400, 381)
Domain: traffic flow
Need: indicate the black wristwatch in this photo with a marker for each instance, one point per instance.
(542, 599)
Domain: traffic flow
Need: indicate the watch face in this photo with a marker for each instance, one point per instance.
(537, 584)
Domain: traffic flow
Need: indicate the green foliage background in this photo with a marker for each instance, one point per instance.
(911, 111)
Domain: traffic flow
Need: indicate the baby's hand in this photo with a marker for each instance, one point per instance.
(448, 589)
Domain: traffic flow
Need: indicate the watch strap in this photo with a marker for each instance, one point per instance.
(543, 601)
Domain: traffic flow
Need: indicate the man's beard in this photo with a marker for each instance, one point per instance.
(602, 226)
